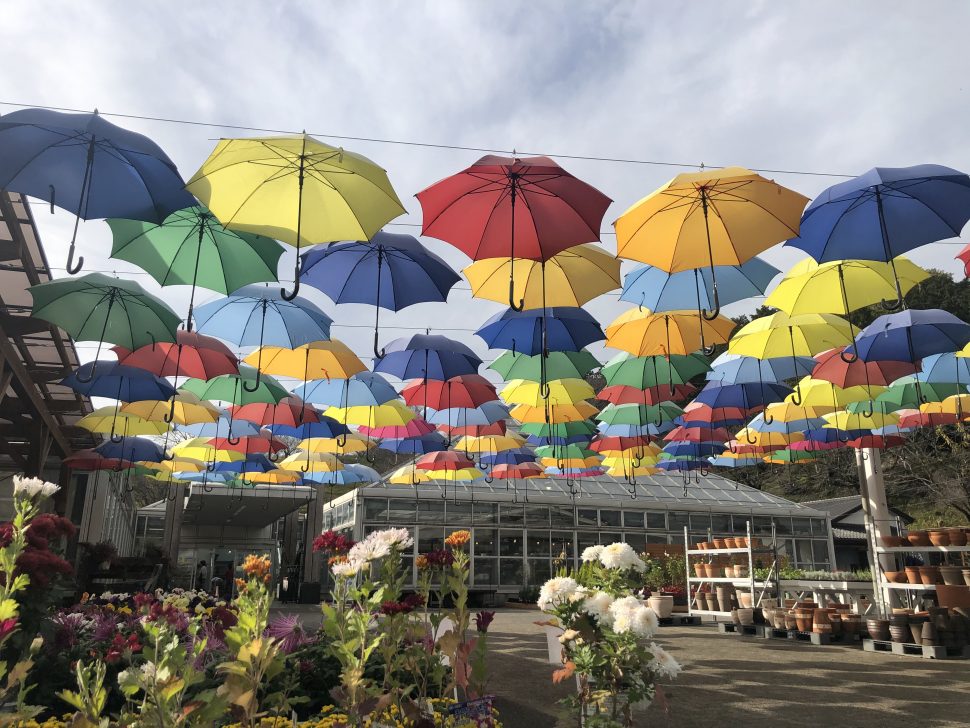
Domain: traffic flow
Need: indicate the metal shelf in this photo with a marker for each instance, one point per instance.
(708, 612)
(712, 552)
(922, 549)
(742, 581)
(910, 587)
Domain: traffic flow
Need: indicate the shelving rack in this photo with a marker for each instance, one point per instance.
(758, 589)
(906, 593)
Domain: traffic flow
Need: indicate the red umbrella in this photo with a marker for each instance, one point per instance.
(290, 411)
(833, 368)
(507, 471)
(815, 445)
(697, 434)
(468, 390)
(249, 445)
(415, 428)
(193, 355)
(444, 460)
(618, 443)
(624, 394)
(964, 255)
(496, 428)
(878, 442)
(700, 412)
(88, 460)
(476, 210)
(927, 419)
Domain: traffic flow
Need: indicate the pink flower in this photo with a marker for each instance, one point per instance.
(288, 630)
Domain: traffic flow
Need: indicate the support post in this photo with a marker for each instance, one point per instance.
(313, 562)
(875, 511)
(172, 535)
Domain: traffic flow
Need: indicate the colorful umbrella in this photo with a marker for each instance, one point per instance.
(485, 414)
(910, 336)
(185, 409)
(290, 411)
(560, 391)
(424, 356)
(244, 388)
(622, 394)
(295, 189)
(531, 332)
(367, 389)
(738, 369)
(643, 333)
(467, 390)
(394, 412)
(558, 365)
(192, 355)
(313, 362)
(116, 381)
(852, 371)
(553, 413)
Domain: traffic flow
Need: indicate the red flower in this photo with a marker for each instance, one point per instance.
(405, 606)
(331, 542)
(7, 627)
(483, 619)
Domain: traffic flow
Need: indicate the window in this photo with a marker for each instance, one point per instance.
(677, 521)
(539, 571)
(511, 514)
(656, 520)
(586, 517)
(610, 518)
(820, 553)
(537, 516)
(653, 538)
(633, 519)
(510, 543)
(430, 538)
(783, 526)
(803, 552)
(485, 544)
(561, 516)
(538, 544)
(459, 514)
(585, 539)
(562, 546)
(636, 540)
(818, 527)
(401, 510)
(760, 526)
(700, 522)
(375, 510)
(801, 526)
(486, 572)
(431, 511)
(720, 523)
(510, 572)
(486, 514)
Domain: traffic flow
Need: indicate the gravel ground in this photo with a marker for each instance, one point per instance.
(740, 681)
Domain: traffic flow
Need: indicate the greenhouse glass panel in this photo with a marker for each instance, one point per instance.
(430, 511)
(537, 516)
(401, 510)
(561, 516)
(801, 526)
(610, 518)
(633, 519)
(720, 523)
(820, 553)
(486, 514)
(485, 543)
(677, 520)
(510, 543)
(510, 572)
(540, 571)
(430, 539)
(538, 543)
(375, 510)
(656, 520)
(511, 514)
(586, 517)
(459, 514)
(486, 572)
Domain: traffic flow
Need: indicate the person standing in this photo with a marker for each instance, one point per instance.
(202, 576)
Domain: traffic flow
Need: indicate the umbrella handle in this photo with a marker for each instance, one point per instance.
(341, 443)
(272, 456)
(520, 306)
(848, 359)
(256, 382)
(305, 468)
(368, 457)
(232, 440)
(86, 380)
(862, 453)
(53, 195)
(170, 415)
(414, 479)
(489, 478)
(838, 435)
(796, 398)
(892, 305)
(769, 419)
(872, 409)
(733, 448)
(211, 467)
(712, 314)
(206, 487)
(71, 267)
(116, 438)
(747, 436)
(378, 352)
(709, 350)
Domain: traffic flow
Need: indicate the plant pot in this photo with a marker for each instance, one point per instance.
(741, 572)
(821, 624)
(754, 542)
(662, 605)
(742, 542)
(893, 541)
(699, 571)
(912, 575)
(836, 619)
(928, 634)
(952, 575)
(898, 633)
(730, 542)
(851, 623)
(804, 619)
(734, 616)
(703, 546)
(966, 576)
(895, 577)
(918, 538)
(746, 616)
(745, 599)
(929, 574)
(958, 536)
(939, 537)
(916, 628)
(778, 620)
(729, 571)
(790, 621)
(720, 543)
(878, 629)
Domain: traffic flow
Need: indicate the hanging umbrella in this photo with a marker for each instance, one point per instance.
(100, 308)
(912, 391)
(394, 412)
(191, 355)
(884, 213)
(729, 460)
(657, 290)
(723, 217)
(743, 396)
(514, 456)
(476, 211)
(468, 390)
(132, 449)
(408, 475)
(852, 371)
(568, 279)
(444, 460)
(702, 413)
(498, 427)
(553, 413)
(632, 414)
(911, 335)
(295, 189)
(560, 391)
(530, 332)
(876, 442)
(737, 369)
(186, 409)
(622, 394)
(791, 457)
(415, 428)
(202, 449)
(964, 257)
(291, 411)
(820, 394)
(485, 414)
(223, 427)
(643, 333)
(558, 365)
(353, 443)
(190, 247)
(424, 356)
(88, 166)
(432, 442)
(318, 361)
(694, 450)
(391, 271)
(945, 367)
(116, 381)
(243, 388)
(843, 420)
(263, 443)
(88, 460)
(697, 433)
(307, 462)
(562, 429)
(321, 427)
(366, 389)
(644, 372)
(516, 472)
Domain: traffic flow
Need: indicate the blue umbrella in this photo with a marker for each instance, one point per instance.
(252, 464)
(726, 462)
(739, 369)
(684, 421)
(538, 441)
(223, 427)
(337, 477)
(89, 167)
(390, 271)
(658, 290)
(945, 367)
(115, 381)
(485, 414)
(693, 449)
(133, 449)
(910, 336)
(884, 213)
(326, 427)
(745, 396)
(432, 442)
(567, 328)
(672, 465)
(516, 456)
(424, 356)
(203, 477)
(635, 430)
(364, 389)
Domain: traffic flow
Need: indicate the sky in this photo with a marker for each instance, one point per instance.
(824, 86)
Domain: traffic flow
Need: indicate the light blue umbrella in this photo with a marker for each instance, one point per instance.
(739, 369)
(658, 290)
(365, 389)
(223, 427)
(726, 462)
(485, 414)
(758, 424)
(634, 430)
(946, 367)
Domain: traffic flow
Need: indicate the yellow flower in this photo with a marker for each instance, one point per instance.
(257, 567)
(457, 539)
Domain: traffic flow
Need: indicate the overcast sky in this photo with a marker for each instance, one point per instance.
(830, 87)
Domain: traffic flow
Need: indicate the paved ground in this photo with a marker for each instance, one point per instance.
(747, 682)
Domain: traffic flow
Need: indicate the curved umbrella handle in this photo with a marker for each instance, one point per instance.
(256, 382)
(87, 379)
(713, 314)
(206, 487)
(848, 359)
(170, 415)
(796, 398)
(272, 455)
(733, 447)
(872, 409)
(862, 454)
(305, 468)
(343, 442)
(232, 440)
(116, 438)
(53, 196)
(245, 482)
(210, 467)
(545, 390)
(378, 352)
(899, 302)
(296, 282)
(747, 436)
(520, 306)
(768, 419)
(709, 350)
(838, 435)
(71, 267)
(368, 457)
(489, 478)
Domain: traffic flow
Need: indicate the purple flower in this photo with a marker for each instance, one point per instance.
(483, 619)
(289, 631)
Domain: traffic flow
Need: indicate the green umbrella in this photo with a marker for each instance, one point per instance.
(638, 414)
(229, 387)
(792, 456)
(559, 365)
(905, 393)
(560, 429)
(644, 372)
(191, 248)
(96, 307)
(565, 452)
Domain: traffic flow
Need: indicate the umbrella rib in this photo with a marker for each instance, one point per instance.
(47, 148)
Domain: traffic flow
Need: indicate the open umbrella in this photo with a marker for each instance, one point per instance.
(884, 213)
(643, 333)
(724, 217)
(190, 247)
(424, 356)
(89, 167)
(853, 371)
(476, 210)
(191, 355)
(116, 381)
(560, 391)
(553, 412)
(290, 411)
(391, 271)
(318, 361)
(530, 332)
(295, 189)
(622, 394)
(243, 388)
(467, 390)
(134, 449)
(185, 409)
(558, 365)
(365, 388)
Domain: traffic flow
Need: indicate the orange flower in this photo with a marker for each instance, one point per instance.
(240, 583)
(457, 539)
(422, 562)
(257, 567)
(339, 559)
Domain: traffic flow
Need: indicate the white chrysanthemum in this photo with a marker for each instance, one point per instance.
(368, 550)
(663, 663)
(396, 538)
(123, 677)
(629, 615)
(348, 568)
(32, 487)
(598, 605)
(148, 670)
(592, 553)
(556, 591)
(619, 556)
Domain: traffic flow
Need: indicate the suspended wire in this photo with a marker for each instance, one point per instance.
(426, 145)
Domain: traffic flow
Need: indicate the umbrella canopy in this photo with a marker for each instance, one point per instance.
(561, 429)
(514, 456)
(295, 189)
(723, 217)
(697, 433)
(945, 367)
(912, 391)
(739, 369)
(643, 333)
(133, 449)
(188, 410)
(743, 396)
(558, 365)
(853, 371)
(553, 413)
(468, 390)
(190, 247)
(352, 443)
(223, 427)
(318, 361)
(116, 381)
(570, 278)
(506, 207)
(622, 394)
(884, 213)
(424, 356)
(818, 393)
(560, 391)
(531, 332)
(643, 372)
(516, 472)
(444, 460)
(910, 336)
(484, 444)
(322, 427)
(657, 290)
(432, 442)
(89, 460)
(243, 388)
(290, 411)
(202, 449)
(780, 335)
(365, 388)
(391, 271)
(633, 414)
(89, 167)
(730, 460)
(394, 412)
(415, 428)
(192, 355)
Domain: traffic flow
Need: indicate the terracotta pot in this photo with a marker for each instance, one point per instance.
(745, 599)
(878, 629)
(929, 574)
(836, 619)
(851, 623)
(720, 543)
(916, 628)
(898, 633)
(939, 537)
(895, 577)
(952, 575)
(730, 542)
(699, 570)
(928, 634)
(662, 605)
(803, 619)
(790, 620)
(958, 537)
(742, 542)
(918, 538)
(893, 541)
(966, 576)
(703, 546)
(729, 571)
(724, 598)
(741, 572)
(912, 575)
(821, 624)
(754, 542)
(746, 615)
(734, 616)
(778, 618)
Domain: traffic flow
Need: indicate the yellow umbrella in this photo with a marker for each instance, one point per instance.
(188, 410)
(780, 335)
(489, 443)
(295, 189)
(956, 404)
(408, 475)
(560, 391)
(577, 463)
(343, 445)
(642, 333)
(270, 477)
(649, 450)
(200, 448)
(627, 470)
(109, 419)
(462, 474)
(393, 413)
(556, 412)
(628, 459)
(570, 278)
(768, 439)
(843, 420)
(843, 286)
(788, 412)
(317, 462)
(821, 394)
(177, 465)
(318, 360)
(714, 217)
